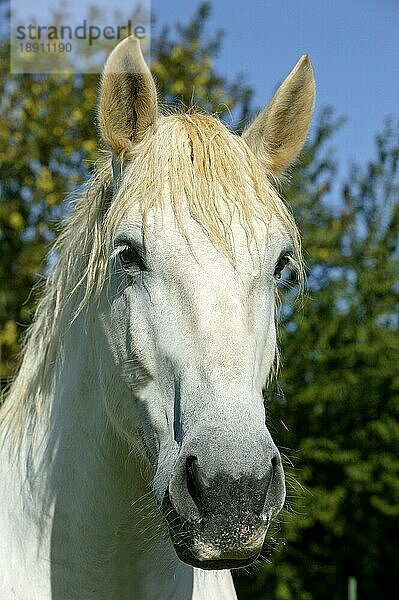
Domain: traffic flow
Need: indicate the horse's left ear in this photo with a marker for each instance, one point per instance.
(279, 131)
(128, 99)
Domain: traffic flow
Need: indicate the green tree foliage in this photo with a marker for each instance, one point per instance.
(334, 412)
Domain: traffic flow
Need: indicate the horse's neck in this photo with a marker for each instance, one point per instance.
(82, 520)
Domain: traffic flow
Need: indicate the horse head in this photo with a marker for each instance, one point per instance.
(199, 240)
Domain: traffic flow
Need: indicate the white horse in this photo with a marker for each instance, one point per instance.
(135, 460)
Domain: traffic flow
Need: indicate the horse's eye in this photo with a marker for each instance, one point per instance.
(281, 263)
(131, 256)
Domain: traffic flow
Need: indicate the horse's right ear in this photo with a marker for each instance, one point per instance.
(128, 99)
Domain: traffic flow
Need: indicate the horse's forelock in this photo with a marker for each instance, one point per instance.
(206, 168)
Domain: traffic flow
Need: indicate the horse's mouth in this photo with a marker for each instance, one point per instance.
(211, 543)
(223, 562)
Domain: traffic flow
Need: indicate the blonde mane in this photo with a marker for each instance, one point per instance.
(205, 167)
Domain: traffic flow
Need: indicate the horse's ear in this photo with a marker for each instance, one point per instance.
(279, 131)
(128, 99)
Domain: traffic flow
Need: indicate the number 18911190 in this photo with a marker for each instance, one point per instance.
(45, 47)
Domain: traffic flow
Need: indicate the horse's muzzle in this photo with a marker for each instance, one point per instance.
(220, 522)
(215, 542)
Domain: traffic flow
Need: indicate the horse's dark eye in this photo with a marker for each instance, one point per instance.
(281, 263)
(131, 256)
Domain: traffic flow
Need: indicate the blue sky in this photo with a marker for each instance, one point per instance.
(353, 44)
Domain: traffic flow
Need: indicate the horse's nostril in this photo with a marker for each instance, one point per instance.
(274, 462)
(193, 486)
